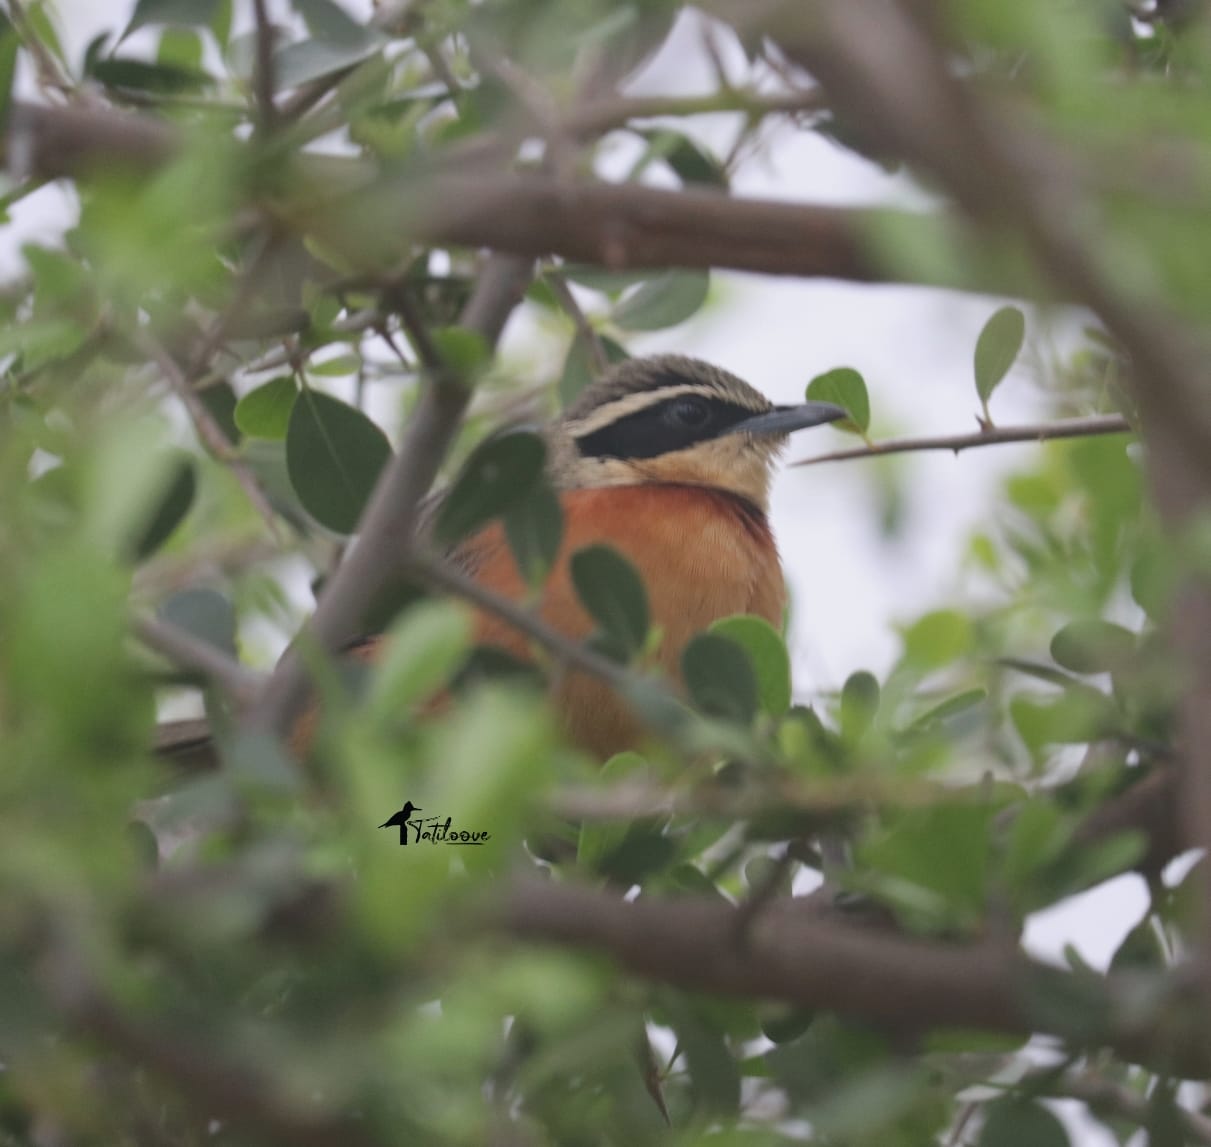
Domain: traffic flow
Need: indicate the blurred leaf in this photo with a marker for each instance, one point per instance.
(419, 655)
(500, 473)
(1141, 950)
(782, 1023)
(1017, 1122)
(201, 13)
(767, 655)
(534, 529)
(691, 162)
(938, 639)
(664, 301)
(1078, 715)
(180, 48)
(1093, 646)
(139, 75)
(996, 349)
(339, 366)
(859, 704)
(9, 45)
(601, 279)
(613, 594)
(714, 1078)
(951, 707)
(334, 455)
(578, 365)
(845, 387)
(179, 489)
(643, 851)
(265, 411)
(206, 614)
(719, 678)
(598, 839)
(220, 402)
(464, 352)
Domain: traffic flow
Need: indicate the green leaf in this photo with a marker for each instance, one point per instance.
(768, 656)
(334, 455)
(714, 1077)
(719, 678)
(601, 279)
(859, 704)
(1093, 646)
(500, 473)
(578, 369)
(198, 13)
(1017, 1122)
(951, 707)
(220, 403)
(689, 160)
(996, 349)
(421, 651)
(669, 299)
(466, 353)
(613, 594)
(206, 614)
(179, 490)
(336, 367)
(599, 840)
(534, 529)
(937, 639)
(845, 387)
(139, 75)
(180, 48)
(265, 411)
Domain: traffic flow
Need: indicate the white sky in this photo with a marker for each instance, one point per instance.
(914, 347)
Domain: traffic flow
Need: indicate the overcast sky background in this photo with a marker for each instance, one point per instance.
(914, 346)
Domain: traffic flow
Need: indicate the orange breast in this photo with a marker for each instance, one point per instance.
(703, 554)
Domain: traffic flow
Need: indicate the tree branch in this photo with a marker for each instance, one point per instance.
(813, 961)
(197, 656)
(388, 525)
(993, 436)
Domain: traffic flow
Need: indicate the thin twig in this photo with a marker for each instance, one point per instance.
(592, 341)
(993, 436)
(197, 656)
(566, 651)
(1105, 1097)
(209, 431)
(264, 77)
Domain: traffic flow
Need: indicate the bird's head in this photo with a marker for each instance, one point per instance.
(671, 419)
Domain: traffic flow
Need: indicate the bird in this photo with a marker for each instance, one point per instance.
(669, 460)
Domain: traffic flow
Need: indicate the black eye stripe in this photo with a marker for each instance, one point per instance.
(650, 432)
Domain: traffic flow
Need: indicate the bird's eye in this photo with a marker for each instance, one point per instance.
(688, 411)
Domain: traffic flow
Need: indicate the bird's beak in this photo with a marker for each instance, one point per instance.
(784, 419)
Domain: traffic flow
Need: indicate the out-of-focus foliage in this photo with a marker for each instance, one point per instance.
(242, 956)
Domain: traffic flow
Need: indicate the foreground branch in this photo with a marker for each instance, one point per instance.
(803, 958)
(193, 655)
(388, 525)
(993, 436)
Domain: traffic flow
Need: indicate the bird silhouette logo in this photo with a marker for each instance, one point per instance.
(400, 820)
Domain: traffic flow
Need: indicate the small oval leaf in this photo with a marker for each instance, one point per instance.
(534, 529)
(170, 511)
(265, 411)
(719, 678)
(1015, 1122)
(204, 613)
(1093, 646)
(613, 594)
(845, 387)
(767, 652)
(859, 704)
(996, 349)
(500, 473)
(334, 455)
(665, 301)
